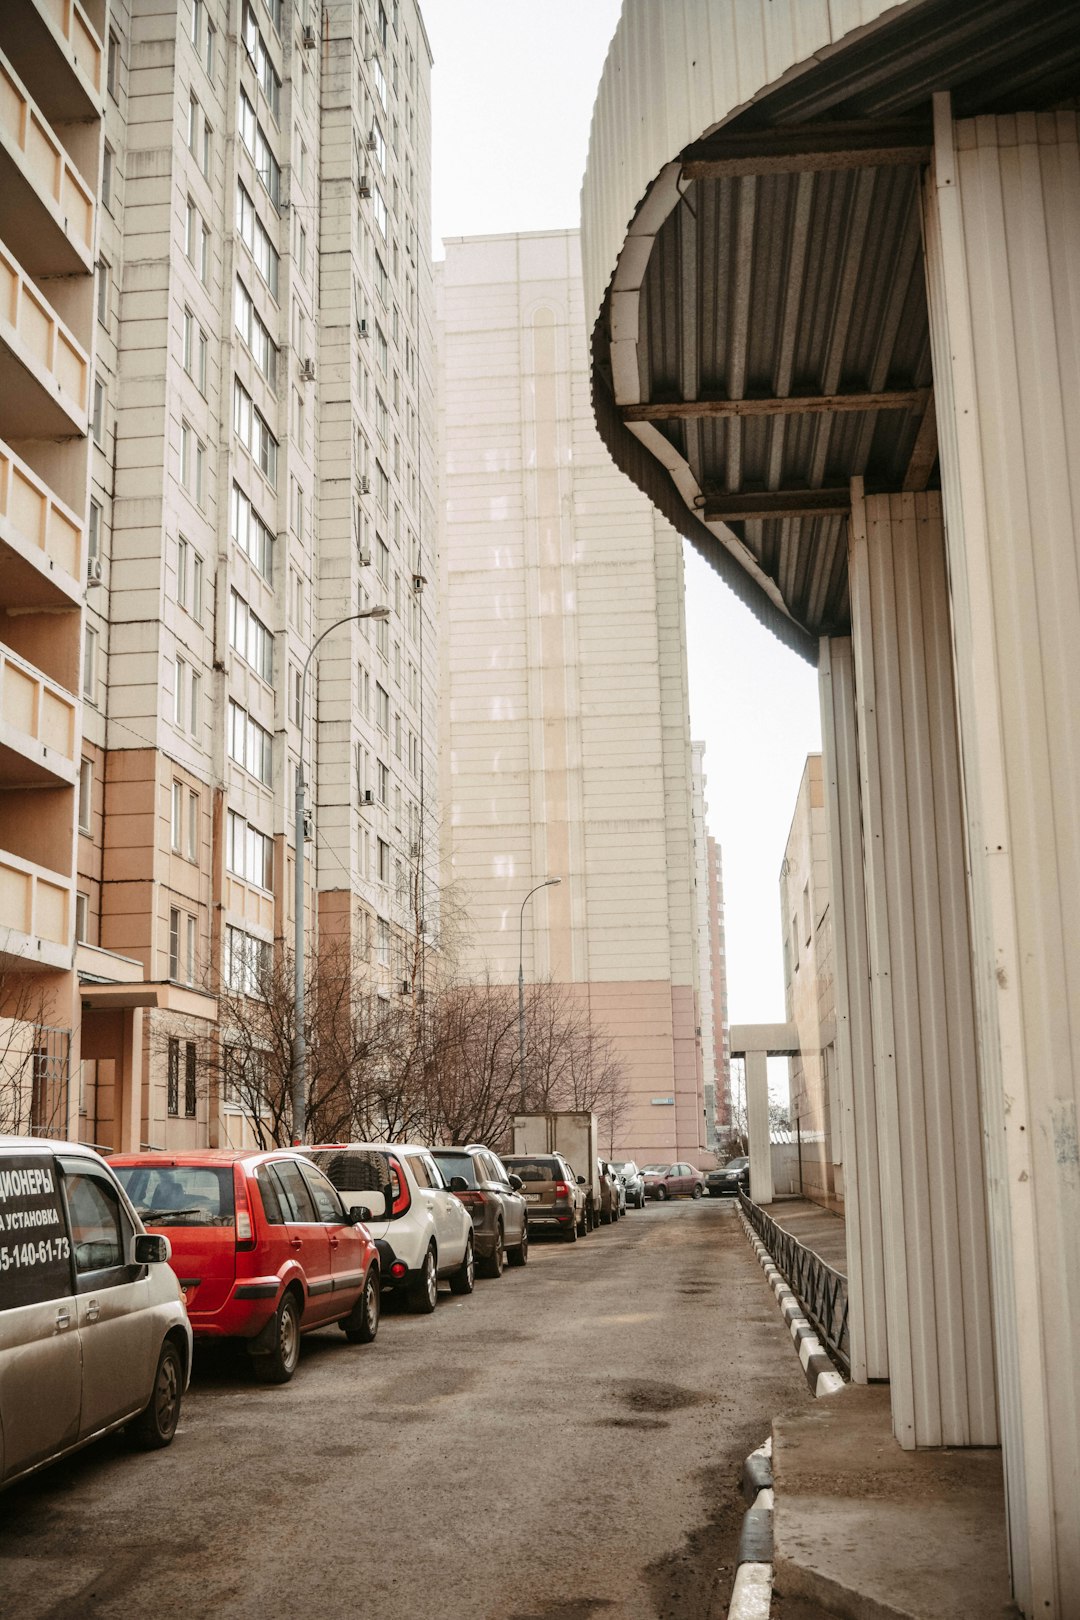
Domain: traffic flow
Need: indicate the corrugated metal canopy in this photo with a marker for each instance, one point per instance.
(787, 293)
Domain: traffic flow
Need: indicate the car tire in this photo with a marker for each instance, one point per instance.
(519, 1255)
(462, 1280)
(494, 1262)
(570, 1233)
(660, 1194)
(362, 1322)
(424, 1293)
(697, 1190)
(587, 1222)
(279, 1363)
(156, 1423)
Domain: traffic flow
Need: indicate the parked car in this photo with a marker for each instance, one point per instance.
(557, 1198)
(93, 1331)
(672, 1181)
(263, 1246)
(732, 1177)
(422, 1230)
(619, 1186)
(633, 1181)
(609, 1193)
(494, 1199)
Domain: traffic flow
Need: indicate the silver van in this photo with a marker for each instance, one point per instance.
(93, 1331)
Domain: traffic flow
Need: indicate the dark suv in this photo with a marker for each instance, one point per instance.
(493, 1199)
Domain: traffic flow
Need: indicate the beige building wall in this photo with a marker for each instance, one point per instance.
(718, 980)
(564, 692)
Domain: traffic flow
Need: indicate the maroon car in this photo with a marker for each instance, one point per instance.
(672, 1181)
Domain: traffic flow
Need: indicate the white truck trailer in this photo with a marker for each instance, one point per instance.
(573, 1134)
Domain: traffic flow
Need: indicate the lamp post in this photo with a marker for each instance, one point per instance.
(298, 1076)
(547, 884)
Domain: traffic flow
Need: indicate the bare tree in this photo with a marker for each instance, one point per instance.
(30, 1100)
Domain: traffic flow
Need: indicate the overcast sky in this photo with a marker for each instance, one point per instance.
(513, 88)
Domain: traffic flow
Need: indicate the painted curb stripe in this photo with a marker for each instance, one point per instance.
(751, 1596)
(817, 1365)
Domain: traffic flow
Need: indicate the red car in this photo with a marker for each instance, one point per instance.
(263, 1246)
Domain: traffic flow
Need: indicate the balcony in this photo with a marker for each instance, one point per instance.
(35, 916)
(44, 370)
(40, 541)
(38, 727)
(56, 50)
(45, 205)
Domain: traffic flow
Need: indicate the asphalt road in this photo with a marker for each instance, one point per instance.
(566, 1443)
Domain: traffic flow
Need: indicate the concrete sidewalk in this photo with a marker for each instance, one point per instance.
(863, 1529)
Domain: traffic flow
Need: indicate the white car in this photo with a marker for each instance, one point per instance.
(422, 1230)
(94, 1335)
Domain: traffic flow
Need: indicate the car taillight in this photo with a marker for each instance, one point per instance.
(398, 1269)
(403, 1201)
(472, 1195)
(245, 1225)
(562, 1189)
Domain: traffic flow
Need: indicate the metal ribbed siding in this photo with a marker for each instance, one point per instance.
(854, 1036)
(1003, 251)
(937, 1277)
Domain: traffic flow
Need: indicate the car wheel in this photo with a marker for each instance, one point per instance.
(362, 1322)
(661, 1194)
(156, 1423)
(587, 1221)
(279, 1363)
(697, 1189)
(461, 1281)
(493, 1265)
(425, 1290)
(520, 1255)
(570, 1233)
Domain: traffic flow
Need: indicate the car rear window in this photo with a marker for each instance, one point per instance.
(353, 1169)
(456, 1164)
(180, 1194)
(532, 1169)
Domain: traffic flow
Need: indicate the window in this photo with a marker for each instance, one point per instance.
(209, 55)
(82, 919)
(177, 816)
(378, 145)
(251, 534)
(190, 1079)
(103, 292)
(249, 854)
(192, 850)
(198, 12)
(93, 532)
(182, 936)
(187, 691)
(249, 744)
(380, 79)
(254, 235)
(189, 579)
(194, 125)
(107, 177)
(191, 229)
(378, 203)
(112, 76)
(384, 783)
(96, 1228)
(247, 963)
(255, 334)
(172, 1084)
(382, 860)
(207, 148)
(89, 669)
(97, 425)
(382, 708)
(254, 433)
(382, 941)
(204, 255)
(382, 565)
(86, 794)
(255, 139)
(250, 638)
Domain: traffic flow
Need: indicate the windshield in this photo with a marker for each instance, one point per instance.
(179, 1194)
(736, 1164)
(455, 1164)
(656, 1169)
(626, 1167)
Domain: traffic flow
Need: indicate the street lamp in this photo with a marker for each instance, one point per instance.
(548, 883)
(298, 1077)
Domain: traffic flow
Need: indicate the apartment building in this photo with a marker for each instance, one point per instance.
(721, 1071)
(565, 707)
(258, 350)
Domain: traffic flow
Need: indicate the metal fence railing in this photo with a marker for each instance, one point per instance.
(821, 1290)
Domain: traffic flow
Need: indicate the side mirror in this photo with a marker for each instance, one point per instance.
(458, 1184)
(357, 1214)
(581, 1181)
(151, 1250)
(516, 1182)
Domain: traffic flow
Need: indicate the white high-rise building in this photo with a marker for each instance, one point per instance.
(564, 690)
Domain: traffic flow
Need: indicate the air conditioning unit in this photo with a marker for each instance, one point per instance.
(367, 797)
(362, 328)
(363, 483)
(307, 370)
(93, 571)
(363, 186)
(307, 36)
(363, 558)
(372, 142)
(418, 582)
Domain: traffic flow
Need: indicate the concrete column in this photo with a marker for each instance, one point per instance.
(929, 1131)
(757, 1126)
(857, 1112)
(1001, 220)
(129, 1082)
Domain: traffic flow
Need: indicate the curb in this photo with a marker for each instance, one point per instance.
(751, 1595)
(821, 1375)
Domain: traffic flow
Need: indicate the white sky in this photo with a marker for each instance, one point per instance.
(512, 89)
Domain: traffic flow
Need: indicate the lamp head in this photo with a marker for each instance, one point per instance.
(377, 613)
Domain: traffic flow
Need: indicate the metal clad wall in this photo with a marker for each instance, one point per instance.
(854, 1036)
(1002, 220)
(929, 1131)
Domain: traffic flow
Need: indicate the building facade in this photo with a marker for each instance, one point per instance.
(259, 436)
(565, 722)
(831, 256)
(718, 980)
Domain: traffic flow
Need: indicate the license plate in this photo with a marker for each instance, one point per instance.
(532, 1198)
